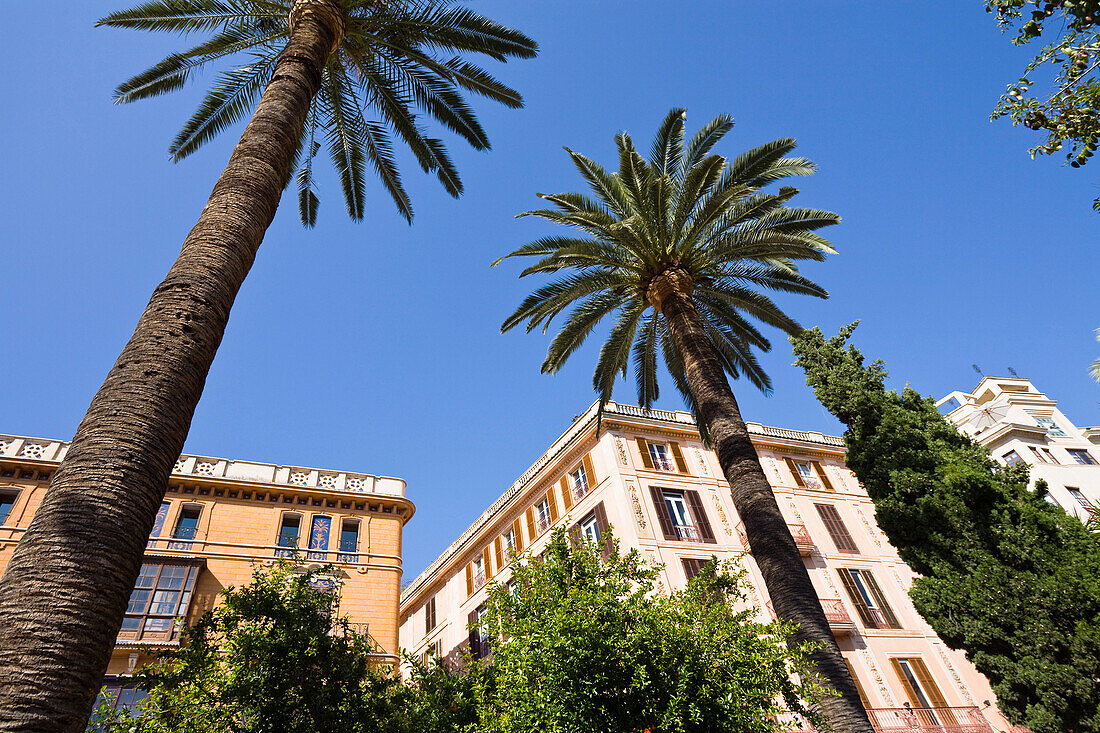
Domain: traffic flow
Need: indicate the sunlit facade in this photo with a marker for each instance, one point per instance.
(648, 476)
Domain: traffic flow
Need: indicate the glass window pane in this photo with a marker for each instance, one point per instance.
(7, 501)
(288, 532)
(138, 599)
(131, 623)
(349, 537)
(157, 625)
(165, 603)
(187, 523)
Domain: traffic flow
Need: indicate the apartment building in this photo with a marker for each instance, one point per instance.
(1020, 424)
(647, 475)
(221, 518)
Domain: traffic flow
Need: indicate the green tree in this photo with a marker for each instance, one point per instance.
(1006, 576)
(1070, 115)
(349, 73)
(680, 246)
(582, 643)
(275, 656)
(1094, 370)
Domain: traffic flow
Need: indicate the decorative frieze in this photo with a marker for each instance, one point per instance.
(721, 514)
(620, 450)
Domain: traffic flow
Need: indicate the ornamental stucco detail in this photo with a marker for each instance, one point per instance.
(636, 509)
(721, 514)
(867, 526)
(702, 462)
(954, 675)
(620, 450)
(879, 682)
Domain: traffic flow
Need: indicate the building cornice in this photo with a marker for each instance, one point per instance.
(41, 453)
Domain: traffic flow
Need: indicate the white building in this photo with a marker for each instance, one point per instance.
(1018, 423)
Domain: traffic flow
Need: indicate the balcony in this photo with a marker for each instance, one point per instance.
(799, 532)
(543, 524)
(840, 623)
(687, 533)
(917, 720)
(479, 580)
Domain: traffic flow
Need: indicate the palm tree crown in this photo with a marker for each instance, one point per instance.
(686, 212)
(395, 57)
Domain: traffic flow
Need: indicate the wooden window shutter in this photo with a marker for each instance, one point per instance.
(604, 526)
(485, 558)
(678, 456)
(662, 513)
(517, 528)
(692, 566)
(532, 532)
(589, 471)
(699, 514)
(794, 470)
(553, 506)
(926, 681)
(835, 525)
(429, 615)
(575, 533)
(469, 579)
(643, 448)
(499, 546)
(857, 599)
(855, 680)
(475, 634)
(566, 494)
(880, 599)
(822, 475)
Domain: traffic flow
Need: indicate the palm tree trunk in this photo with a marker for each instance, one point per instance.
(785, 575)
(65, 591)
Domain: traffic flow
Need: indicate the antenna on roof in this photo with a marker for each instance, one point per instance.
(1013, 372)
(978, 369)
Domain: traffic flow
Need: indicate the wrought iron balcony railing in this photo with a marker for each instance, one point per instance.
(801, 535)
(687, 533)
(916, 720)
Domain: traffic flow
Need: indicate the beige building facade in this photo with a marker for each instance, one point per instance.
(648, 476)
(222, 518)
(1020, 424)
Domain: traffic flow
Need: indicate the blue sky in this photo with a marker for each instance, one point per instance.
(375, 346)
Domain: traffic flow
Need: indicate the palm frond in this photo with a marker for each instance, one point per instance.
(191, 16)
(704, 140)
(668, 144)
(645, 361)
(345, 139)
(577, 328)
(541, 306)
(615, 354)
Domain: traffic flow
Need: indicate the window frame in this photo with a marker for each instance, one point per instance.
(182, 604)
(1081, 499)
(837, 529)
(581, 487)
(1052, 428)
(185, 543)
(286, 550)
(871, 604)
(344, 554)
(663, 462)
(543, 521)
(687, 530)
(13, 494)
(1012, 458)
(1081, 456)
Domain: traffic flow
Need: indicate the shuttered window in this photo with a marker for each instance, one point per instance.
(566, 493)
(692, 566)
(868, 599)
(830, 516)
(681, 515)
(922, 691)
(479, 638)
(593, 527)
(517, 529)
(498, 545)
(429, 615)
(662, 456)
(809, 474)
(485, 562)
(161, 595)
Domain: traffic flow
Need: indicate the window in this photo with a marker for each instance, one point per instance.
(830, 516)
(7, 501)
(429, 615)
(479, 636)
(542, 513)
(288, 535)
(1083, 457)
(479, 572)
(692, 566)
(160, 596)
(510, 543)
(1050, 499)
(1051, 427)
(186, 526)
(681, 518)
(580, 483)
(1043, 454)
(1084, 502)
(320, 528)
(590, 529)
(809, 475)
(928, 704)
(868, 599)
(349, 541)
(121, 697)
(681, 515)
(661, 456)
(1012, 458)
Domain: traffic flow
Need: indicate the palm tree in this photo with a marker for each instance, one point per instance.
(347, 73)
(679, 247)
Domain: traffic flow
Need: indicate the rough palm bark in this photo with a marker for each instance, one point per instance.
(65, 591)
(785, 576)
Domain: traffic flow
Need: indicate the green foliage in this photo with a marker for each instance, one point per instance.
(1007, 577)
(398, 61)
(581, 643)
(1070, 116)
(683, 208)
(274, 657)
(1094, 370)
